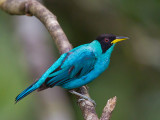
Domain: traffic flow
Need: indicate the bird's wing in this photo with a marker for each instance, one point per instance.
(77, 64)
(41, 81)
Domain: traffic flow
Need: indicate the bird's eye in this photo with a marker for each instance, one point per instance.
(106, 40)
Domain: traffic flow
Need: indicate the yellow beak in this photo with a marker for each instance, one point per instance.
(118, 39)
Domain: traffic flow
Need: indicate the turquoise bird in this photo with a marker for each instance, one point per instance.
(77, 67)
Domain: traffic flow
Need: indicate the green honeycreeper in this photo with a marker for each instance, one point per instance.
(77, 67)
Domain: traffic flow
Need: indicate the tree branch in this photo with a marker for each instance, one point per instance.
(33, 7)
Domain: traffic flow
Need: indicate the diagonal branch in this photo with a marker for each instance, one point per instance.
(33, 7)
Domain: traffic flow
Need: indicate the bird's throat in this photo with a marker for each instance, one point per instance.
(108, 52)
(104, 46)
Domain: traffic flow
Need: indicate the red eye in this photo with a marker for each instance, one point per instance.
(106, 40)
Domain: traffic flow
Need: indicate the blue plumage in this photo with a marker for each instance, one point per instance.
(77, 67)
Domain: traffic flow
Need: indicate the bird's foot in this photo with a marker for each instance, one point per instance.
(83, 97)
(89, 99)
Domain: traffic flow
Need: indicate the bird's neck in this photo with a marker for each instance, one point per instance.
(96, 46)
(104, 58)
(98, 49)
(108, 53)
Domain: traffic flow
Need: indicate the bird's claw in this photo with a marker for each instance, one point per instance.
(92, 101)
(83, 97)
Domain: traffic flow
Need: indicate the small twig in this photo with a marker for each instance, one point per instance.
(33, 7)
(108, 109)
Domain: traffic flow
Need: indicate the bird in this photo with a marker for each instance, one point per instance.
(77, 67)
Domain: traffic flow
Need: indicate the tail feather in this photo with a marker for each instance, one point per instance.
(26, 92)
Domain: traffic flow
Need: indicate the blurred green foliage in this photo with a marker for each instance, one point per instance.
(134, 72)
(11, 75)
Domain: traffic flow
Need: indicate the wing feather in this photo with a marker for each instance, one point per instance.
(75, 65)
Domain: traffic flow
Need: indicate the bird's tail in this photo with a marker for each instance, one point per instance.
(27, 91)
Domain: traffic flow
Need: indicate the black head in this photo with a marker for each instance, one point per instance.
(105, 41)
